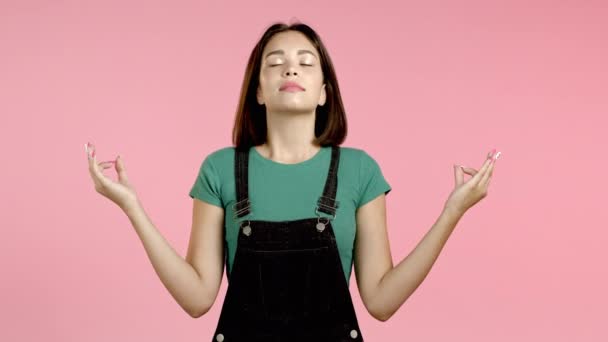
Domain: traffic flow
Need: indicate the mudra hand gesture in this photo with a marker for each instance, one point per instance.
(122, 192)
(467, 194)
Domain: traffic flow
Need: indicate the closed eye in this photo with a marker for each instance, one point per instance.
(300, 64)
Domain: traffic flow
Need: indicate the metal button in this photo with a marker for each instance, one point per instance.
(353, 333)
(320, 226)
(247, 230)
(219, 337)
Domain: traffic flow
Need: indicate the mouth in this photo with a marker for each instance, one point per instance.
(292, 89)
(291, 86)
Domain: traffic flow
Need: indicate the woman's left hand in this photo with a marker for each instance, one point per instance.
(467, 194)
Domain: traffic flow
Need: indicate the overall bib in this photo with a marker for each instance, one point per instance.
(287, 282)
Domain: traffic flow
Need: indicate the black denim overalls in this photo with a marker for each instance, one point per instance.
(287, 282)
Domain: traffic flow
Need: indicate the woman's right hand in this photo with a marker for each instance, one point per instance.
(122, 192)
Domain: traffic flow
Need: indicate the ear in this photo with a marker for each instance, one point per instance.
(322, 96)
(259, 96)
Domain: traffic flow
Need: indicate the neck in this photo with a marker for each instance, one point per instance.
(290, 137)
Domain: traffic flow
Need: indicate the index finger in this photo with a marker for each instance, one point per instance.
(96, 175)
(484, 168)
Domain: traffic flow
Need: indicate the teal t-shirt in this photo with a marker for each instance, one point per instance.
(283, 192)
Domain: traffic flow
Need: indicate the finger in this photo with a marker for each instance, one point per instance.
(486, 178)
(458, 175)
(469, 171)
(484, 168)
(91, 161)
(106, 164)
(121, 170)
(473, 172)
(96, 174)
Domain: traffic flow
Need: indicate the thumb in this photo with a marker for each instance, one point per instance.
(121, 170)
(458, 174)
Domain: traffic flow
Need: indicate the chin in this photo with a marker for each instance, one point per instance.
(295, 107)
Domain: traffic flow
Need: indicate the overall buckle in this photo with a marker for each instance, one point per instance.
(247, 206)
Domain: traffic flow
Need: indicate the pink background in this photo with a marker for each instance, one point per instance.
(425, 85)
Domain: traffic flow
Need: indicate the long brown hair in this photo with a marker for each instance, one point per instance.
(250, 122)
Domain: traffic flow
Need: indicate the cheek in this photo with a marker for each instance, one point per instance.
(263, 81)
(266, 77)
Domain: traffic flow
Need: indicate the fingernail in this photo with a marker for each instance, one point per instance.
(491, 153)
(495, 157)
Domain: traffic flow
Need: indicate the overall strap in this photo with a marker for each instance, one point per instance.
(327, 202)
(242, 206)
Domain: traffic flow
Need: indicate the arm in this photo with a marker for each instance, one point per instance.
(385, 288)
(195, 281)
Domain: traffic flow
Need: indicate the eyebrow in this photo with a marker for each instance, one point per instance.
(280, 52)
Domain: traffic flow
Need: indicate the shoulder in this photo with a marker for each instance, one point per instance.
(221, 156)
(353, 154)
(360, 160)
(217, 160)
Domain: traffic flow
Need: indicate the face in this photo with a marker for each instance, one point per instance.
(289, 56)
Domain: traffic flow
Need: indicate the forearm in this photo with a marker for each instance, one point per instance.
(176, 274)
(402, 280)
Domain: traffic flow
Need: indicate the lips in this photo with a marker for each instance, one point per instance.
(291, 86)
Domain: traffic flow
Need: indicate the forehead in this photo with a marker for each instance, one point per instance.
(289, 41)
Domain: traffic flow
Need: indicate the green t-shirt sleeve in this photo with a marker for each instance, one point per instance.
(371, 180)
(206, 186)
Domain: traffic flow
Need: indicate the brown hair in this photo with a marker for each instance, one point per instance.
(250, 122)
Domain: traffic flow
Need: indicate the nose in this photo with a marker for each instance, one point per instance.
(291, 69)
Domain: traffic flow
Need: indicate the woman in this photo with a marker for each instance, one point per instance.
(283, 206)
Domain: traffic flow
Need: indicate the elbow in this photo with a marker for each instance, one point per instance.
(198, 310)
(382, 316)
(202, 304)
(195, 314)
(379, 313)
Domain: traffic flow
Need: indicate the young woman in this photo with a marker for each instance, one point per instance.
(289, 211)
